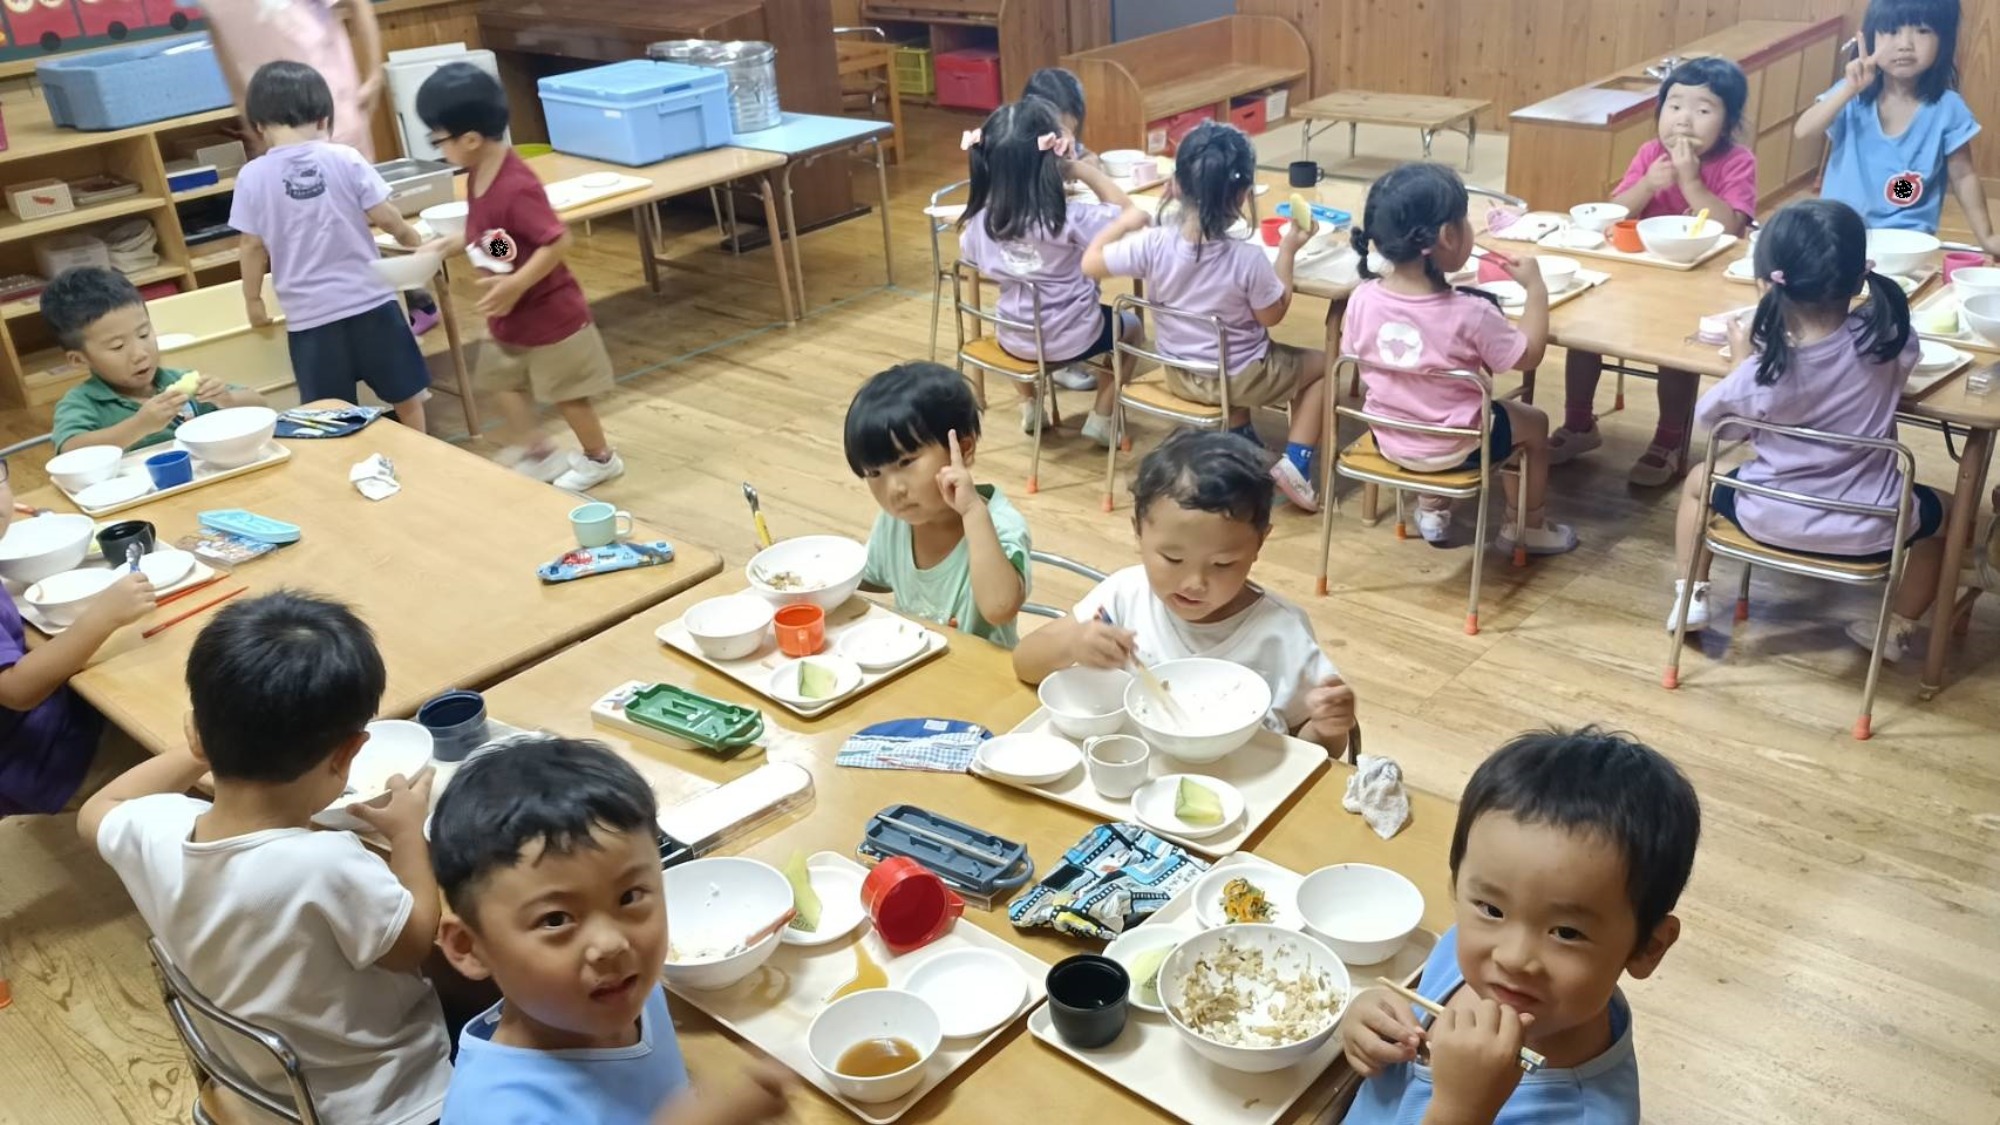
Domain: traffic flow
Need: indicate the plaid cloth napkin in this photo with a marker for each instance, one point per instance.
(1109, 882)
(933, 745)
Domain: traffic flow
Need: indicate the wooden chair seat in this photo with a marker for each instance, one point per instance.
(1153, 394)
(1364, 456)
(987, 352)
(1728, 535)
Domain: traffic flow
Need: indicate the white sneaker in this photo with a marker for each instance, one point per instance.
(1294, 485)
(1697, 611)
(1434, 525)
(1101, 429)
(1567, 445)
(1031, 416)
(544, 467)
(1902, 631)
(1551, 538)
(1074, 378)
(585, 474)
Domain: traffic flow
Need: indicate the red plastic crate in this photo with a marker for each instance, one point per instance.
(1248, 114)
(1164, 136)
(158, 289)
(968, 79)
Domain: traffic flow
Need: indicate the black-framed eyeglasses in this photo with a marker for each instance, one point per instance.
(439, 140)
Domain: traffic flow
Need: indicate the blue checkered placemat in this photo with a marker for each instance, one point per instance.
(934, 745)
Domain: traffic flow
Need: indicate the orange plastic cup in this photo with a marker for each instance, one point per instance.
(801, 629)
(1625, 236)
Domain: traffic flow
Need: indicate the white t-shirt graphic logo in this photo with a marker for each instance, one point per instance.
(1400, 345)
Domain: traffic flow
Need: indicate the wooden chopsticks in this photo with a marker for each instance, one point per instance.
(1530, 1060)
(210, 604)
(1154, 687)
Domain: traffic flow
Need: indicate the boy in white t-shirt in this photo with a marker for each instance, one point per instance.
(1201, 508)
(304, 933)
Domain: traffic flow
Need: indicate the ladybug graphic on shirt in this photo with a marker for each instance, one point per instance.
(1904, 189)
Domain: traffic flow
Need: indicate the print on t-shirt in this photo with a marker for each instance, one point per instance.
(499, 245)
(1400, 345)
(1904, 189)
(304, 181)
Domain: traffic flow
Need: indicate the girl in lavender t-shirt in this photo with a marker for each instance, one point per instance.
(1694, 165)
(1021, 228)
(1811, 362)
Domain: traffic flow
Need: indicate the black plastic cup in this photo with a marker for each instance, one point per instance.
(457, 722)
(1304, 173)
(115, 539)
(1088, 1000)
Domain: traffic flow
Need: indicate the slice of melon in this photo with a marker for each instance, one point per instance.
(816, 681)
(1302, 214)
(1197, 804)
(187, 383)
(804, 898)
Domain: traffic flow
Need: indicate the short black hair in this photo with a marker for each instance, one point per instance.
(1723, 78)
(1060, 88)
(80, 297)
(1595, 781)
(279, 682)
(1207, 471)
(903, 409)
(459, 98)
(547, 790)
(287, 93)
(1890, 16)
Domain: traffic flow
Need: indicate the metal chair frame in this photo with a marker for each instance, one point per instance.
(1790, 562)
(1060, 562)
(940, 268)
(180, 995)
(1045, 388)
(1218, 370)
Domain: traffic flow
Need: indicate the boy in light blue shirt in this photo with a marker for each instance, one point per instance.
(953, 552)
(1570, 852)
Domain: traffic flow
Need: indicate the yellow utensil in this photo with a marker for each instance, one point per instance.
(1700, 218)
(757, 515)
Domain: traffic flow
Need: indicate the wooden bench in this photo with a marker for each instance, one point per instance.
(1132, 84)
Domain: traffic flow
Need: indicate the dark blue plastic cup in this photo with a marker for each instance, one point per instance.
(170, 470)
(457, 722)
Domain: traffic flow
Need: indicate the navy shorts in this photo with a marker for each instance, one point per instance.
(1500, 440)
(1106, 337)
(1930, 517)
(375, 347)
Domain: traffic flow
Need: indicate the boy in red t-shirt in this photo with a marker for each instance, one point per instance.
(543, 337)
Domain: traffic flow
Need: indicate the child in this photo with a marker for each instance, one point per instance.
(951, 551)
(1810, 361)
(1064, 90)
(1412, 321)
(1571, 850)
(128, 400)
(304, 208)
(543, 337)
(1192, 264)
(47, 734)
(1020, 228)
(548, 855)
(1201, 507)
(1896, 126)
(304, 933)
(1695, 165)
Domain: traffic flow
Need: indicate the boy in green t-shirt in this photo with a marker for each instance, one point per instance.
(128, 401)
(952, 552)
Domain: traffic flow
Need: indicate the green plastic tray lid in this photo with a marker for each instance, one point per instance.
(694, 717)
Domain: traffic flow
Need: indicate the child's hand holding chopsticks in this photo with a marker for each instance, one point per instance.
(1100, 644)
(1377, 1032)
(1475, 1060)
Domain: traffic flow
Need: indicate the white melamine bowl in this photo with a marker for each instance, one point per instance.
(1557, 272)
(62, 598)
(1085, 702)
(1283, 948)
(712, 905)
(447, 220)
(1975, 281)
(1224, 702)
(822, 569)
(394, 746)
(408, 271)
(1597, 217)
(1674, 238)
(34, 549)
(1982, 315)
(1904, 252)
(1362, 912)
(729, 628)
(229, 438)
(879, 1013)
(77, 469)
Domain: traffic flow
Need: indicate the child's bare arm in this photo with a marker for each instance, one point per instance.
(1130, 220)
(1971, 196)
(401, 821)
(385, 215)
(255, 262)
(504, 291)
(154, 415)
(1066, 642)
(175, 771)
(1288, 253)
(997, 588)
(1329, 715)
(39, 674)
(760, 1096)
(1534, 322)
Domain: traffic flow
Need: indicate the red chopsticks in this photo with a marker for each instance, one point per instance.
(186, 590)
(210, 604)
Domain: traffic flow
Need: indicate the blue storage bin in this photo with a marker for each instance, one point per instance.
(124, 86)
(637, 112)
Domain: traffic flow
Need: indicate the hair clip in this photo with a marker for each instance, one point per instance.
(1057, 143)
(1869, 267)
(969, 138)
(1778, 278)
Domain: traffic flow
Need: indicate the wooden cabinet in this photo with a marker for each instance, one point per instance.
(1574, 147)
(1028, 34)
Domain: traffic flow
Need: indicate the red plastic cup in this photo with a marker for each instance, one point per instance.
(1956, 260)
(1273, 229)
(911, 906)
(801, 629)
(1491, 270)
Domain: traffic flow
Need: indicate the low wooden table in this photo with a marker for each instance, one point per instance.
(1428, 115)
(974, 681)
(444, 572)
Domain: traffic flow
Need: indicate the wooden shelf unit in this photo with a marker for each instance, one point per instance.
(220, 187)
(1132, 84)
(1029, 34)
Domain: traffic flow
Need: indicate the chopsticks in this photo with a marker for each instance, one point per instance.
(184, 591)
(210, 604)
(1153, 685)
(1530, 1060)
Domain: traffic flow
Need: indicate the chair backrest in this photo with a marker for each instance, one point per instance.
(1139, 306)
(184, 1002)
(940, 224)
(1351, 364)
(1060, 562)
(984, 317)
(25, 445)
(1906, 465)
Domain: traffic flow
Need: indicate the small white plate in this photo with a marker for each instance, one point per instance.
(1937, 356)
(599, 180)
(1130, 944)
(838, 886)
(1740, 270)
(166, 566)
(785, 681)
(117, 490)
(1153, 804)
(1031, 758)
(1280, 887)
(1577, 238)
(1508, 293)
(883, 644)
(973, 990)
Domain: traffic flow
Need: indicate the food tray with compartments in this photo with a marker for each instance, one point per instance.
(753, 672)
(133, 465)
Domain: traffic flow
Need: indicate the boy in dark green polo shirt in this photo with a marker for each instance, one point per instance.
(129, 400)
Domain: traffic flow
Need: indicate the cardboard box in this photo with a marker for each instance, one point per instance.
(38, 199)
(59, 252)
(224, 153)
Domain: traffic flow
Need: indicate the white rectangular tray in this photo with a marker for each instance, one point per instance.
(776, 1024)
(1151, 1059)
(199, 573)
(1644, 257)
(133, 464)
(1947, 297)
(754, 671)
(1920, 382)
(1267, 771)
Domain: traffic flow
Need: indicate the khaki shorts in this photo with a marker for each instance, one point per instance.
(567, 370)
(1271, 381)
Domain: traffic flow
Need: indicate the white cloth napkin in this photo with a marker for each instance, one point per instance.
(1376, 792)
(375, 478)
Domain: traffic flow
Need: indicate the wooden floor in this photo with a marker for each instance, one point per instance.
(1840, 959)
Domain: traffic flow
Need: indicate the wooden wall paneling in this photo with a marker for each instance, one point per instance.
(1979, 77)
(1781, 91)
(1039, 36)
(1774, 152)
(1625, 144)
(1479, 59)
(1089, 24)
(1817, 67)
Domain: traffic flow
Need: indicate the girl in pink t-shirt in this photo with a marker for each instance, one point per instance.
(1410, 324)
(1810, 358)
(1021, 229)
(1695, 165)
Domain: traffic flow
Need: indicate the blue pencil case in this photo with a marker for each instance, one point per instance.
(1331, 216)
